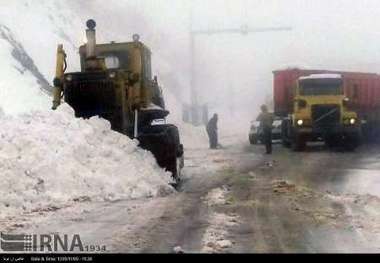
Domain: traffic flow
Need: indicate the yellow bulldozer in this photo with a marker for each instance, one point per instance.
(116, 83)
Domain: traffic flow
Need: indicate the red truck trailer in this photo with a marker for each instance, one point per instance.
(362, 90)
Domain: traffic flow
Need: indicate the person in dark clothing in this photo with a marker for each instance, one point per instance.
(212, 131)
(266, 121)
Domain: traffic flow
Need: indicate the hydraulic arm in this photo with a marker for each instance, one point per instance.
(59, 73)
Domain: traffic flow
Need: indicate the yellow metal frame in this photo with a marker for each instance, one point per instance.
(59, 73)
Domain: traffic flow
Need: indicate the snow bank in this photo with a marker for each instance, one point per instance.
(51, 158)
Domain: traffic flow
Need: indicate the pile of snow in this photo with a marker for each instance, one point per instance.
(51, 158)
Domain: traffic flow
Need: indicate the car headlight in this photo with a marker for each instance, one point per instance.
(69, 77)
(352, 121)
(112, 75)
(300, 122)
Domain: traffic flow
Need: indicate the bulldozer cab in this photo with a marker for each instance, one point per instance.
(133, 57)
(114, 82)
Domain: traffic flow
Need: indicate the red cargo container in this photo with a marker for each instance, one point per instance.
(363, 89)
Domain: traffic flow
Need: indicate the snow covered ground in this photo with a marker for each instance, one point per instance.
(48, 159)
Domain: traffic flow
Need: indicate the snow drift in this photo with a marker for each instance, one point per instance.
(51, 158)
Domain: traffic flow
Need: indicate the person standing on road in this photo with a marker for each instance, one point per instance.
(212, 131)
(266, 121)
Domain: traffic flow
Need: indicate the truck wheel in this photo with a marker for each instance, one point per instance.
(351, 142)
(298, 143)
(332, 142)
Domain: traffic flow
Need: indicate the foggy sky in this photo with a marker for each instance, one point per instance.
(331, 34)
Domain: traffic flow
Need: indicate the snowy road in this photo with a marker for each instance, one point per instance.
(237, 200)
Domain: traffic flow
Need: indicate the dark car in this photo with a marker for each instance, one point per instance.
(256, 133)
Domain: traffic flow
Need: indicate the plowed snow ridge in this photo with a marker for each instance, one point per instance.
(49, 158)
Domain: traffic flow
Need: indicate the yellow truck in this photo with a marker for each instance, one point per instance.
(315, 108)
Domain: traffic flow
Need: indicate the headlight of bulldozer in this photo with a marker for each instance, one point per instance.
(69, 78)
(352, 121)
(112, 75)
(300, 122)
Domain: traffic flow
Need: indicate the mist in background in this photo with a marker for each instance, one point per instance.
(233, 72)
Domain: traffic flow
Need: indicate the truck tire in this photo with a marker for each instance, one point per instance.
(332, 141)
(298, 143)
(351, 142)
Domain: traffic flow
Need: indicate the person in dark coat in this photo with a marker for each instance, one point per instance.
(266, 122)
(212, 131)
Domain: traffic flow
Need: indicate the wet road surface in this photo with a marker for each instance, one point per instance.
(325, 201)
(237, 199)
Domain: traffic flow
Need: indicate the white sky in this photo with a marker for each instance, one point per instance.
(235, 71)
(331, 34)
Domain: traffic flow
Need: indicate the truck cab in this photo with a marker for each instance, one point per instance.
(321, 112)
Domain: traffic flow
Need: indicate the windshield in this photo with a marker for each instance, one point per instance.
(116, 59)
(314, 88)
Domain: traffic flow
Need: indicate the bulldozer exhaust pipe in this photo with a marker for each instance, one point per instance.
(91, 39)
